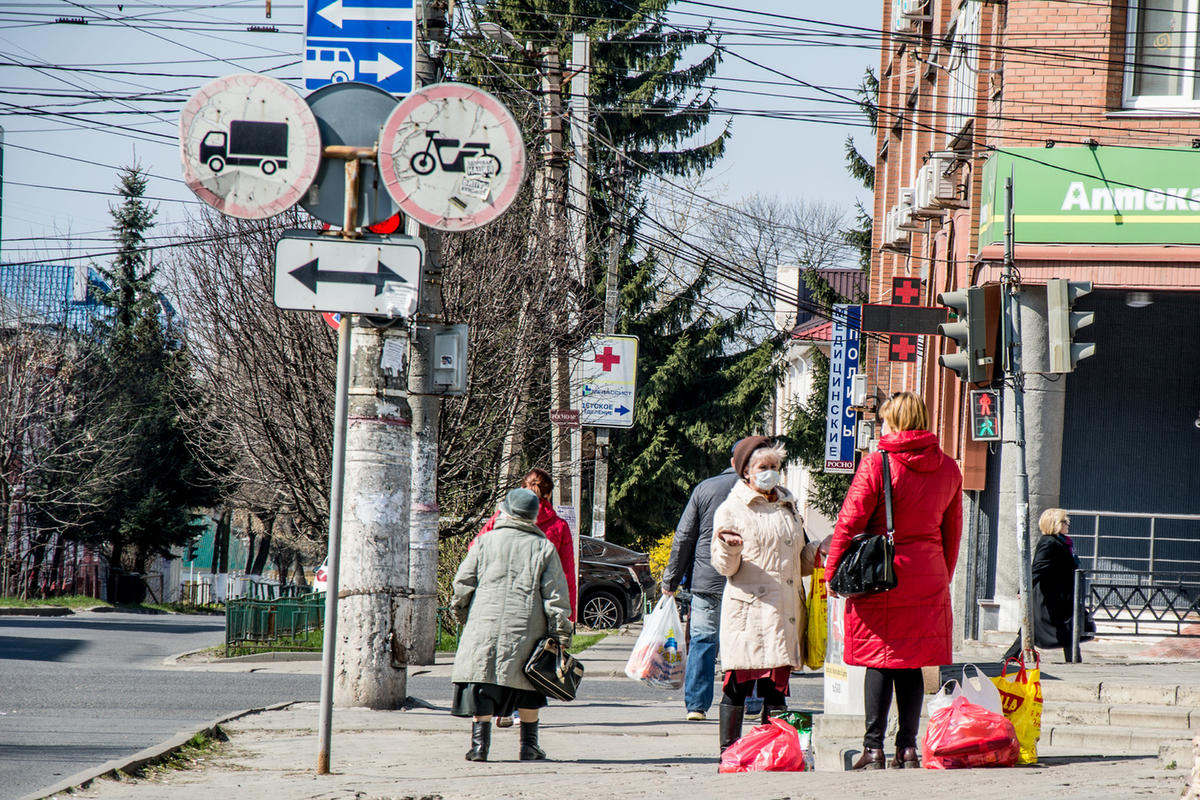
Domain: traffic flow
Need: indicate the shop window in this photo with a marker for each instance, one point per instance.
(1161, 55)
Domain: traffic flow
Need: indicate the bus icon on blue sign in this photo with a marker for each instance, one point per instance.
(387, 65)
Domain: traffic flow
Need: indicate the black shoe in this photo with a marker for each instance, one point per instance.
(529, 743)
(730, 726)
(771, 711)
(870, 759)
(481, 741)
(906, 758)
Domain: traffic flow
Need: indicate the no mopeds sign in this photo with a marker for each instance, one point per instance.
(452, 157)
(249, 144)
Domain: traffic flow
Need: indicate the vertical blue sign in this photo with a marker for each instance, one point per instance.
(843, 365)
(371, 42)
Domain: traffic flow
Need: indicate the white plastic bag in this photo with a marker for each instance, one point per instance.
(980, 690)
(944, 696)
(659, 655)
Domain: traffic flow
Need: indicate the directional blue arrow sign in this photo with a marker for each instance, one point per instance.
(371, 42)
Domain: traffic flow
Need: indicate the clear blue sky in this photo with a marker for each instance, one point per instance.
(154, 56)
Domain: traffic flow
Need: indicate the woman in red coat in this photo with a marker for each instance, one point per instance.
(895, 633)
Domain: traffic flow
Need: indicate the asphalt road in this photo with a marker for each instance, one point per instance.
(80, 690)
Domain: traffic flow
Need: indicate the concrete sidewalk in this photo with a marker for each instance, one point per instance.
(629, 750)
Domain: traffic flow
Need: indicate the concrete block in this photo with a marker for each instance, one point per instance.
(1100, 738)
(1126, 694)
(1075, 714)
(1188, 696)
(1143, 716)
(1175, 754)
(1064, 692)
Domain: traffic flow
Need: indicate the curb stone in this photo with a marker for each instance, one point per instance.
(149, 755)
(36, 611)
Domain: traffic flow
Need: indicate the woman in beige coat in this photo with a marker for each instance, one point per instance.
(761, 547)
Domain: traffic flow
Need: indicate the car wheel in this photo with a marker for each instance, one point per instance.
(216, 163)
(601, 610)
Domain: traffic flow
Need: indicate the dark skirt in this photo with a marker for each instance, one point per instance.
(492, 700)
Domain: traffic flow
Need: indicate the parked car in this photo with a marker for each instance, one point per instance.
(614, 582)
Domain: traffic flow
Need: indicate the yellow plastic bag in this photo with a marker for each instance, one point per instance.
(818, 621)
(1021, 696)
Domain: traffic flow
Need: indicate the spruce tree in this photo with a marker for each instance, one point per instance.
(125, 474)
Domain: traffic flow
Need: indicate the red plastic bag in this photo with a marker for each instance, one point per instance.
(966, 735)
(774, 747)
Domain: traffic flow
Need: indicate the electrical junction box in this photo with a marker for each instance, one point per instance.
(447, 360)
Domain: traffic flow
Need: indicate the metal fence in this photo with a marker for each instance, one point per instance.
(1137, 542)
(1163, 603)
(267, 624)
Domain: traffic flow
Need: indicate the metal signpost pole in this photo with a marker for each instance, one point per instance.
(325, 727)
(1012, 315)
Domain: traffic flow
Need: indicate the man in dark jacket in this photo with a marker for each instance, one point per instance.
(690, 551)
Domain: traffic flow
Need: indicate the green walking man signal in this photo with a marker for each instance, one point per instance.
(985, 415)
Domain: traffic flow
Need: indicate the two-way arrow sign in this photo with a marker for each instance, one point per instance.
(375, 275)
(310, 273)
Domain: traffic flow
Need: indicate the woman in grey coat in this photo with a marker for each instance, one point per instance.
(510, 591)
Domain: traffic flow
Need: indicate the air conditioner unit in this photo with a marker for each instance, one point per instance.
(893, 237)
(923, 205)
(905, 220)
(900, 22)
(914, 9)
(944, 190)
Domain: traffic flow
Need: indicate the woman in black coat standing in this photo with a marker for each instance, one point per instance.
(1054, 566)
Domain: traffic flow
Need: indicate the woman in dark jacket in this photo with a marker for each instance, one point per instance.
(511, 591)
(895, 633)
(1053, 597)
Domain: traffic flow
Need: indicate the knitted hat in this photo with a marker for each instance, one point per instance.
(744, 449)
(522, 504)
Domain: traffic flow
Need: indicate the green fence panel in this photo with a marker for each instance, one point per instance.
(261, 624)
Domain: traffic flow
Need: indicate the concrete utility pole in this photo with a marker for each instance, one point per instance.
(611, 301)
(548, 242)
(568, 441)
(426, 409)
(1012, 323)
(372, 593)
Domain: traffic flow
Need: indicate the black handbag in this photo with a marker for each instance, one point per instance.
(868, 565)
(553, 671)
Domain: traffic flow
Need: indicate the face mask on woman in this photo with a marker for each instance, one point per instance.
(765, 479)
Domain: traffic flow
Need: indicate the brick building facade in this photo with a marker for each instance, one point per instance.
(1093, 109)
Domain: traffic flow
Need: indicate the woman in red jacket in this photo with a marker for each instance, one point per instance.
(895, 633)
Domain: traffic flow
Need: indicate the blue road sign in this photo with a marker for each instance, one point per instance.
(843, 365)
(371, 43)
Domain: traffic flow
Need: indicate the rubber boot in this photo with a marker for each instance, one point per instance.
(481, 741)
(529, 743)
(771, 711)
(730, 726)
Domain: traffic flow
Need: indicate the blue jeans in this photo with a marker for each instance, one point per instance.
(702, 652)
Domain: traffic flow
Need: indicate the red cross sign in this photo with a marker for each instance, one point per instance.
(607, 359)
(906, 291)
(902, 347)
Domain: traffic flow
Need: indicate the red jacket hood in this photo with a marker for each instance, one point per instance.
(917, 450)
(546, 514)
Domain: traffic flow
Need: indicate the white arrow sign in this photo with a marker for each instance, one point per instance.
(337, 14)
(376, 275)
(382, 67)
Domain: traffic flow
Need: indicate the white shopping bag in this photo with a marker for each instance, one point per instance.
(660, 652)
(980, 690)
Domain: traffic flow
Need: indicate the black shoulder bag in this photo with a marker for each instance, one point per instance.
(553, 671)
(868, 566)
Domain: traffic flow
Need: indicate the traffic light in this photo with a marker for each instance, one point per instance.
(985, 415)
(970, 332)
(191, 552)
(1062, 323)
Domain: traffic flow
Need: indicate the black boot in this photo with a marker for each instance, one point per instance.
(771, 711)
(730, 727)
(481, 741)
(529, 743)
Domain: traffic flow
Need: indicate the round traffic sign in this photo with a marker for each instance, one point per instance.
(452, 157)
(351, 114)
(250, 145)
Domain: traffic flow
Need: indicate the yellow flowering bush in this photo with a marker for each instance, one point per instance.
(660, 554)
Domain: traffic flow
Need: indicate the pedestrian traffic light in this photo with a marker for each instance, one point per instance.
(985, 415)
(969, 332)
(1062, 323)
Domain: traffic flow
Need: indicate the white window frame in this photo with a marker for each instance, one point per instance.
(1186, 99)
(963, 74)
